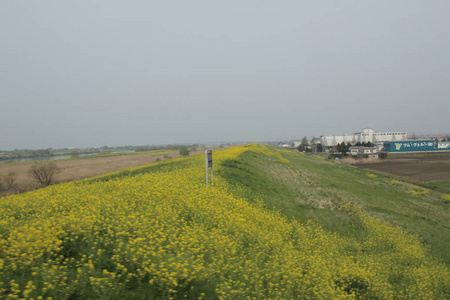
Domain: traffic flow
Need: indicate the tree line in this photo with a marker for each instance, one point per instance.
(342, 147)
(166, 147)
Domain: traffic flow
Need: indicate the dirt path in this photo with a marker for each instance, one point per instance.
(77, 169)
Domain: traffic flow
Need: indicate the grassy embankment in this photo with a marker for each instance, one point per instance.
(158, 232)
(310, 187)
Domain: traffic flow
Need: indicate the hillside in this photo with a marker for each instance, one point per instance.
(309, 187)
(276, 224)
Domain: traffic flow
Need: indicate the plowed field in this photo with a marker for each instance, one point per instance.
(423, 167)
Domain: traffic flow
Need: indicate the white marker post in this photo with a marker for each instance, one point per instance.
(208, 164)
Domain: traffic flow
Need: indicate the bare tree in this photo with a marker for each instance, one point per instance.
(303, 144)
(9, 179)
(44, 172)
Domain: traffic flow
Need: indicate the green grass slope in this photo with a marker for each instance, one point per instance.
(311, 188)
(442, 186)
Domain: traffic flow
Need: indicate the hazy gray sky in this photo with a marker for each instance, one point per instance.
(86, 73)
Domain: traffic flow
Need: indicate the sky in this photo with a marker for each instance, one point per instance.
(105, 72)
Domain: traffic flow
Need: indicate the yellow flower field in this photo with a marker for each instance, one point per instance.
(164, 234)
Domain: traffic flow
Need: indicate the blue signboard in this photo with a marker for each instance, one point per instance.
(415, 146)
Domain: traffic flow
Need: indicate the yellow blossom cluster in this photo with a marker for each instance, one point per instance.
(318, 156)
(164, 234)
(417, 191)
(446, 197)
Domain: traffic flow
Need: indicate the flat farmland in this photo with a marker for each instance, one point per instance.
(425, 167)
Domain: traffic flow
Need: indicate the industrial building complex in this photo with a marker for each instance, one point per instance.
(329, 142)
(370, 143)
(384, 142)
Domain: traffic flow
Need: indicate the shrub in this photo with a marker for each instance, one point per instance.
(44, 172)
(382, 155)
(9, 179)
(184, 151)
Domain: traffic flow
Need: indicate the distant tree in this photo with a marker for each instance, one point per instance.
(142, 149)
(367, 144)
(184, 151)
(342, 147)
(303, 144)
(41, 152)
(75, 153)
(44, 172)
(10, 179)
(339, 147)
(319, 147)
(315, 140)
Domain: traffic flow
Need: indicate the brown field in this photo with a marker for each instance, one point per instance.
(76, 169)
(425, 167)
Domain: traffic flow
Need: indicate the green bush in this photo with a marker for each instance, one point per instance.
(184, 151)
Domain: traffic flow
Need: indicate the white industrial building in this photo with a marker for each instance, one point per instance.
(366, 135)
